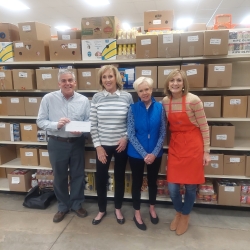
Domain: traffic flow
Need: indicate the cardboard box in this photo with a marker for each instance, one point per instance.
(100, 27)
(88, 79)
(44, 158)
(6, 79)
(234, 165)
(3, 106)
(128, 77)
(6, 52)
(247, 173)
(212, 106)
(169, 45)
(223, 136)
(47, 79)
(192, 44)
(65, 50)
(24, 79)
(234, 106)
(228, 195)
(5, 131)
(20, 183)
(146, 46)
(29, 156)
(32, 105)
(219, 75)
(30, 31)
(195, 75)
(163, 72)
(69, 34)
(248, 106)
(215, 167)
(197, 27)
(15, 106)
(99, 49)
(28, 132)
(158, 19)
(9, 32)
(7, 153)
(215, 42)
(3, 173)
(147, 71)
(90, 159)
(31, 51)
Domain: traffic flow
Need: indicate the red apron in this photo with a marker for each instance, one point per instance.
(185, 153)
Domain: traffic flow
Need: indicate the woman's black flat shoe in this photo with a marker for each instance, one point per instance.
(140, 226)
(154, 220)
(96, 222)
(119, 221)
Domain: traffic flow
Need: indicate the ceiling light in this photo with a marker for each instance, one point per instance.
(246, 20)
(14, 5)
(62, 28)
(183, 23)
(126, 26)
(97, 2)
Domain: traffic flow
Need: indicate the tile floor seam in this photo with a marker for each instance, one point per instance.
(61, 233)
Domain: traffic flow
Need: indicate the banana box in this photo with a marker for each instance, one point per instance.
(99, 49)
(6, 52)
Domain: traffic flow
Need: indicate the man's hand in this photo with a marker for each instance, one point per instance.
(62, 122)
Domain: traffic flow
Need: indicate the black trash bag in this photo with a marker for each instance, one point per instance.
(39, 199)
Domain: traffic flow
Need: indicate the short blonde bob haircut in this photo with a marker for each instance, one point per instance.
(172, 74)
(141, 80)
(117, 75)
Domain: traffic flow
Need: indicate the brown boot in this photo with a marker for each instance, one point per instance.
(175, 222)
(183, 224)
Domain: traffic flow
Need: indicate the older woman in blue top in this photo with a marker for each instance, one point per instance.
(146, 132)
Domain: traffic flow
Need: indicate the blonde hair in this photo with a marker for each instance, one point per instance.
(172, 74)
(142, 79)
(103, 69)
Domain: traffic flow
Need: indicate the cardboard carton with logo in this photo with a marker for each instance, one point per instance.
(212, 106)
(32, 31)
(47, 79)
(44, 158)
(215, 167)
(215, 42)
(65, 50)
(3, 106)
(192, 44)
(195, 75)
(6, 79)
(234, 165)
(163, 72)
(24, 79)
(146, 46)
(20, 180)
(169, 45)
(15, 106)
(234, 106)
(147, 71)
(223, 135)
(28, 132)
(7, 153)
(158, 19)
(31, 51)
(6, 52)
(29, 156)
(32, 105)
(69, 34)
(9, 32)
(219, 75)
(128, 77)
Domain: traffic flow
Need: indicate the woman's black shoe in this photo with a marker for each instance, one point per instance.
(120, 221)
(140, 226)
(96, 222)
(154, 220)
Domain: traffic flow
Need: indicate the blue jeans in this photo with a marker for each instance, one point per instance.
(190, 194)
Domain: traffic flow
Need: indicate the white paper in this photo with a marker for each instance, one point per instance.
(215, 41)
(2, 125)
(156, 21)
(191, 72)
(214, 165)
(78, 126)
(19, 45)
(15, 180)
(14, 100)
(146, 72)
(27, 127)
(23, 74)
(219, 68)
(229, 189)
(193, 38)
(72, 45)
(235, 101)
(45, 153)
(65, 37)
(208, 104)
(214, 157)
(26, 28)
(32, 100)
(46, 76)
(167, 72)
(86, 74)
(92, 161)
(233, 159)
(2, 74)
(221, 137)
(28, 154)
(168, 38)
(145, 41)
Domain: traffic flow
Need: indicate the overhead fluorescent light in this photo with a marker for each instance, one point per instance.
(183, 23)
(126, 26)
(14, 5)
(62, 27)
(97, 2)
(246, 20)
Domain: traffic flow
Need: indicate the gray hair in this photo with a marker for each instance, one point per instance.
(65, 71)
(142, 79)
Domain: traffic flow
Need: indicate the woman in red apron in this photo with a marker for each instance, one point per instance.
(189, 146)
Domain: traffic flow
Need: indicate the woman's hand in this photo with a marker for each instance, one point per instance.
(122, 144)
(206, 159)
(149, 159)
(101, 154)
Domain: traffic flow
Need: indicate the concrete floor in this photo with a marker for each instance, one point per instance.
(210, 228)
